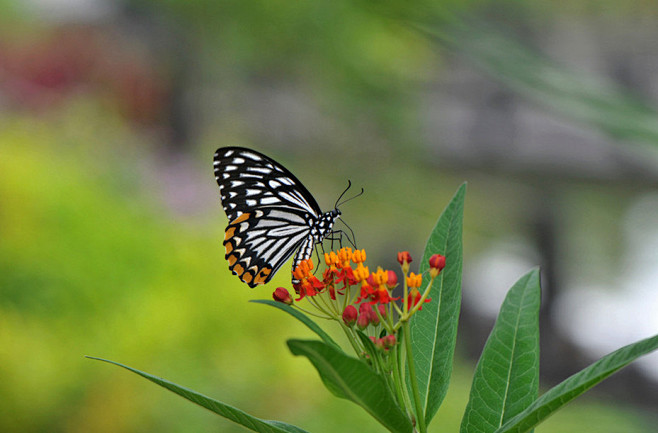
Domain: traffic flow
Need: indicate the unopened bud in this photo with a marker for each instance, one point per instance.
(404, 258)
(382, 310)
(350, 315)
(363, 320)
(282, 295)
(437, 263)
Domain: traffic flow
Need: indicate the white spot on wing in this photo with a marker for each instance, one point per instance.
(263, 170)
(269, 200)
(251, 156)
(286, 180)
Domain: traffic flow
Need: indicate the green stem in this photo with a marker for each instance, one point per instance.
(350, 337)
(311, 313)
(403, 376)
(420, 415)
(399, 382)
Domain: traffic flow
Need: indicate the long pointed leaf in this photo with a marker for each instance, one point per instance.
(228, 412)
(576, 385)
(434, 329)
(506, 379)
(302, 318)
(352, 379)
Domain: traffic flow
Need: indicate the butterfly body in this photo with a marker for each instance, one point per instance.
(271, 214)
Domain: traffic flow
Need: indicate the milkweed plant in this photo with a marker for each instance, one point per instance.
(401, 328)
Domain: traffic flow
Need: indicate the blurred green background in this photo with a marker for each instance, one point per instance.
(111, 225)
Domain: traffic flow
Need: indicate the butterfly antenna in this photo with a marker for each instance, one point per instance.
(339, 203)
(349, 184)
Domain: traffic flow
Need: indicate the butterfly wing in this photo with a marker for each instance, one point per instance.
(270, 213)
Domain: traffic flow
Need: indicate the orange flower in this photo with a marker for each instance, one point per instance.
(359, 256)
(414, 281)
(361, 273)
(344, 256)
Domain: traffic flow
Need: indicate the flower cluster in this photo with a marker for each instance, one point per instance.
(361, 299)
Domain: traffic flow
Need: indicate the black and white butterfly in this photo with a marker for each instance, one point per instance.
(271, 214)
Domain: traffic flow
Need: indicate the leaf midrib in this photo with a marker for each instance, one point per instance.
(438, 316)
(509, 370)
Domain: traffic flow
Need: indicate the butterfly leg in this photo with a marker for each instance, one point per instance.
(353, 238)
(340, 234)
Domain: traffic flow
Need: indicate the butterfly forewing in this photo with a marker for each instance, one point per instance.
(249, 180)
(271, 214)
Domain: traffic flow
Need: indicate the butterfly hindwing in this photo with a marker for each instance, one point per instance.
(259, 242)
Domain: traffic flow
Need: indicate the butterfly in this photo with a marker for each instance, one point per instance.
(271, 214)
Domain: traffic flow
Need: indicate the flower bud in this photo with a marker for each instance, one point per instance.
(365, 308)
(363, 320)
(389, 341)
(282, 295)
(404, 258)
(437, 263)
(382, 310)
(374, 318)
(350, 315)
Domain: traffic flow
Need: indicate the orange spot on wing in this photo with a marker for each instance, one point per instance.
(239, 219)
(230, 231)
(238, 269)
(262, 275)
(232, 259)
(228, 247)
(247, 277)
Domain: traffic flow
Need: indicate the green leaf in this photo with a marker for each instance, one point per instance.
(506, 378)
(228, 412)
(434, 328)
(352, 379)
(302, 318)
(576, 385)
